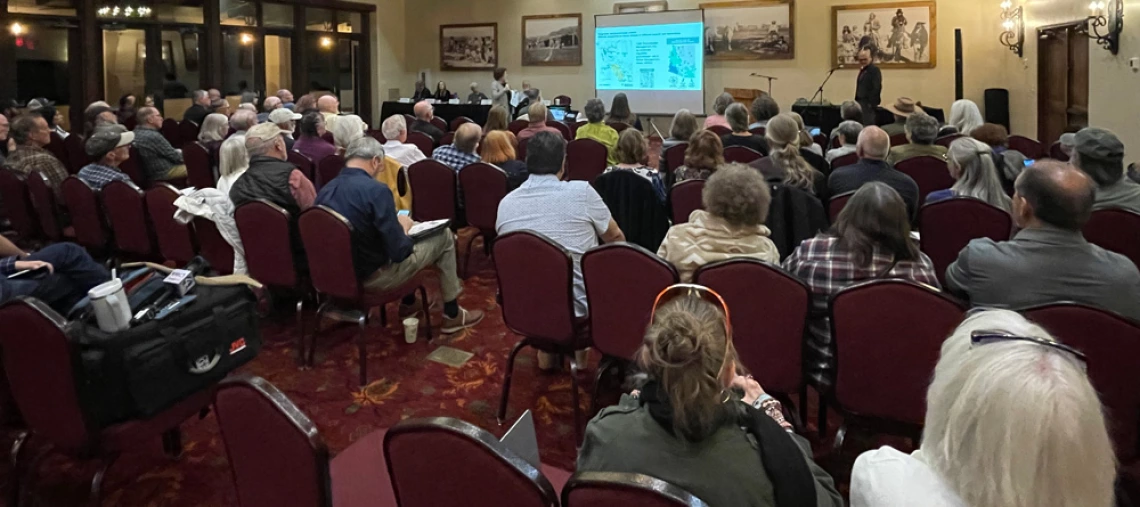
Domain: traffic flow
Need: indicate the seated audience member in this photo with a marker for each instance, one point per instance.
(97, 116)
(921, 131)
(286, 98)
(158, 159)
(306, 103)
(786, 163)
(596, 128)
(242, 120)
(248, 106)
(270, 176)
(530, 96)
(971, 164)
(395, 130)
(215, 128)
(849, 111)
(233, 162)
(807, 142)
(347, 129)
(964, 118)
(422, 92)
(632, 152)
(731, 225)
(311, 143)
(870, 240)
(329, 106)
(764, 108)
(1100, 154)
(31, 133)
(1002, 415)
(1009, 162)
(5, 140)
(1049, 259)
(464, 150)
(720, 107)
(702, 158)
(497, 149)
(903, 108)
(442, 94)
(848, 134)
(1068, 141)
(108, 146)
(51, 115)
(383, 254)
(873, 147)
(687, 425)
(680, 131)
(621, 113)
(538, 111)
(424, 113)
(285, 120)
(737, 117)
(221, 106)
(1134, 172)
(267, 107)
(214, 94)
(199, 109)
(497, 119)
(71, 272)
(476, 96)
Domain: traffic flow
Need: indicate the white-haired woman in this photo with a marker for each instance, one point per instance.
(233, 161)
(214, 129)
(971, 164)
(964, 118)
(347, 129)
(1011, 421)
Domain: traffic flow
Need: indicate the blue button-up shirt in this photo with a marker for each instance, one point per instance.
(378, 239)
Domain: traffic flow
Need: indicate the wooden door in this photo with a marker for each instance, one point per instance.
(1062, 81)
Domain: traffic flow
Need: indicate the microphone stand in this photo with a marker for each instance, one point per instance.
(819, 112)
(769, 78)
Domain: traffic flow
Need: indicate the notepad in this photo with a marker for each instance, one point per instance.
(426, 228)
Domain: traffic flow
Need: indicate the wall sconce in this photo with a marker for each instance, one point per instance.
(246, 39)
(1109, 17)
(326, 42)
(1013, 28)
(18, 29)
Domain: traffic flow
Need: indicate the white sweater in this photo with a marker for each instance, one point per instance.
(886, 477)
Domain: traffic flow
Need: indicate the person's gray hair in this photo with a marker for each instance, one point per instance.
(851, 110)
(873, 143)
(474, 85)
(467, 137)
(21, 128)
(764, 108)
(365, 148)
(978, 173)
(850, 131)
(144, 114)
(233, 157)
(595, 110)
(393, 126)
(258, 147)
(684, 125)
(722, 102)
(243, 119)
(347, 129)
(737, 117)
(214, 128)
(738, 194)
(545, 153)
(965, 116)
(923, 128)
(197, 95)
(1001, 416)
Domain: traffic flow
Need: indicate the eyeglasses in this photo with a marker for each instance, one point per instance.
(982, 337)
(690, 289)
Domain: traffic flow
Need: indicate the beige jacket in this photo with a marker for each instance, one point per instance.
(706, 239)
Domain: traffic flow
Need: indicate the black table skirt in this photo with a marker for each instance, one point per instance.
(477, 113)
(828, 117)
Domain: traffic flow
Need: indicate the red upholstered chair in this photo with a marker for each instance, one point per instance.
(946, 140)
(377, 135)
(684, 198)
(126, 212)
(47, 210)
(279, 458)
(175, 239)
(480, 471)
(17, 204)
(409, 119)
(759, 131)
(517, 126)
(131, 167)
(585, 159)
(618, 126)
(520, 152)
(836, 203)
(562, 128)
(820, 139)
(328, 244)
(199, 169)
(574, 125)
(188, 131)
(484, 185)
(86, 215)
(456, 122)
(887, 335)
(433, 191)
(267, 237)
(1117, 230)
(1056, 153)
(614, 489)
(929, 173)
(536, 288)
(562, 100)
(327, 136)
(171, 132)
(422, 141)
(899, 140)
(304, 164)
(1110, 342)
(76, 153)
(622, 281)
(719, 130)
(949, 225)
(835, 143)
(38, 361)
(1028, 147)
(439, 123)
(741, 154)
(327, 169)
(56, 148)
(846, 160)
(213, 246)
(675, 157)
(447, 139)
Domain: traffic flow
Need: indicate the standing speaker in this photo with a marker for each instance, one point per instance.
(958, 64)
(997, 106)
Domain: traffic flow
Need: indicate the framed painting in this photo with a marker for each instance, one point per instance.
(750, 30)
(638, 7)
(552, 40)
(900, 35)
(471, 46)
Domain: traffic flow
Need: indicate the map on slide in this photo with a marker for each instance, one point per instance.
(683, 66)
(650, 57)
(617, 61)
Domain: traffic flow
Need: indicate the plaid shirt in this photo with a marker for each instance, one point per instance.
(450, 156)
(156, 155)
(826, 269)
(28, 158)
(98, 175)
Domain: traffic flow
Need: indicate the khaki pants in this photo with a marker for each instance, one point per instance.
(178, 171)
(438, 249)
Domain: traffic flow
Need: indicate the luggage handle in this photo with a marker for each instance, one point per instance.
(203, 365)
(206, 362)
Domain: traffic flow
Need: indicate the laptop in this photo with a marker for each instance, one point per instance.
(522, 440)
(559, 112)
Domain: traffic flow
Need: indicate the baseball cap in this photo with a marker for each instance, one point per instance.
(107, 138)
(282, 115)
(264, 131)
(39, 103)
(1099, 144)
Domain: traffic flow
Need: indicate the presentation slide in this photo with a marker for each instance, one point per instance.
(655, 58)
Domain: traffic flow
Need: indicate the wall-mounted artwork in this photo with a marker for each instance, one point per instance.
(750, 30)
(465, 47)
(638, 7)
(190, 51)
(552, 40)
(900, 35)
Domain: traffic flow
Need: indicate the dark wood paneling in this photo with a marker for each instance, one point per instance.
(364, 71)
(7, 54)
(211, 56)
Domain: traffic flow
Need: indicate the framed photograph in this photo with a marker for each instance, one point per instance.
(472, 46)
(190, 51)
(750, 30)
(168, 56)
(552, 40)
(901, 35)
(637, 7)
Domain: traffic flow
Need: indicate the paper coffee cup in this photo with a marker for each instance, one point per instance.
(411, 329)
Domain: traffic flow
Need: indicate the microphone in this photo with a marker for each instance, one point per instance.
(763, 76)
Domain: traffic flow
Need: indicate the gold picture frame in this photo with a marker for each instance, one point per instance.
(750, 30)
(472, 46)
(912, 42)
(637, 7)
(552, 40)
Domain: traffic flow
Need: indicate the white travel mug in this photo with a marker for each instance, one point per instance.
(411, 329)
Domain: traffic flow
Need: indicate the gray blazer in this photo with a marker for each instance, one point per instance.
(1045, 265)
(500, 96)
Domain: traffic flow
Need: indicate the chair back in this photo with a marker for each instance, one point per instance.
(1028, 147)
(618, 126)
(1116, 230)
(131, 168)
(433, 190)
(899, 140)
(327, 236)
(43, 201)
(820, 139)
(887, 336)
(327, 169)
(622, 281)
(836, 204)
(456, 122)
(585, 159)
(447, 139)
(188, 131)
(175, 239)
(409, 120)
(769, 310)
(377, 135)
(172, 133)
(520, 152)
(517, 126)
(439, 123)
(675, 157)
(17, 204)
(947, 139)
(929, 173)
(719, 130)
(303, 163)
(1056, 153)
(76, 153)
(616, 489)
(635, 207)
(1110, 342)
(276, 452)
(213, 246)
(420, 451)
(846, 160)
(835, 143)
(56, 148)
(536, 285)
(741, 154)
(684, 198)
(126, 212)
(949, 225)
(422, 141)
(266, 236)
(562, 100)
(484, 185)
(759, 131)
(562, 129)
(199, 167)
(86, 213)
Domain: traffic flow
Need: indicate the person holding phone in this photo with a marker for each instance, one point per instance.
(59, 275)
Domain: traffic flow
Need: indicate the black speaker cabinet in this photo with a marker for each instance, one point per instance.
(997, 106)
(958, 64)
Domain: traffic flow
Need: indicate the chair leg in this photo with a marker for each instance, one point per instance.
(606, 364)
(383, 315)
(362, 350)
(427, 311)
(14, 476)
(821, 416)
(316, 332)
(574, 400)
(301, 331)
(507, 380)
(96, 497)
(467, 256)
(172, 443)
(803, 405)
